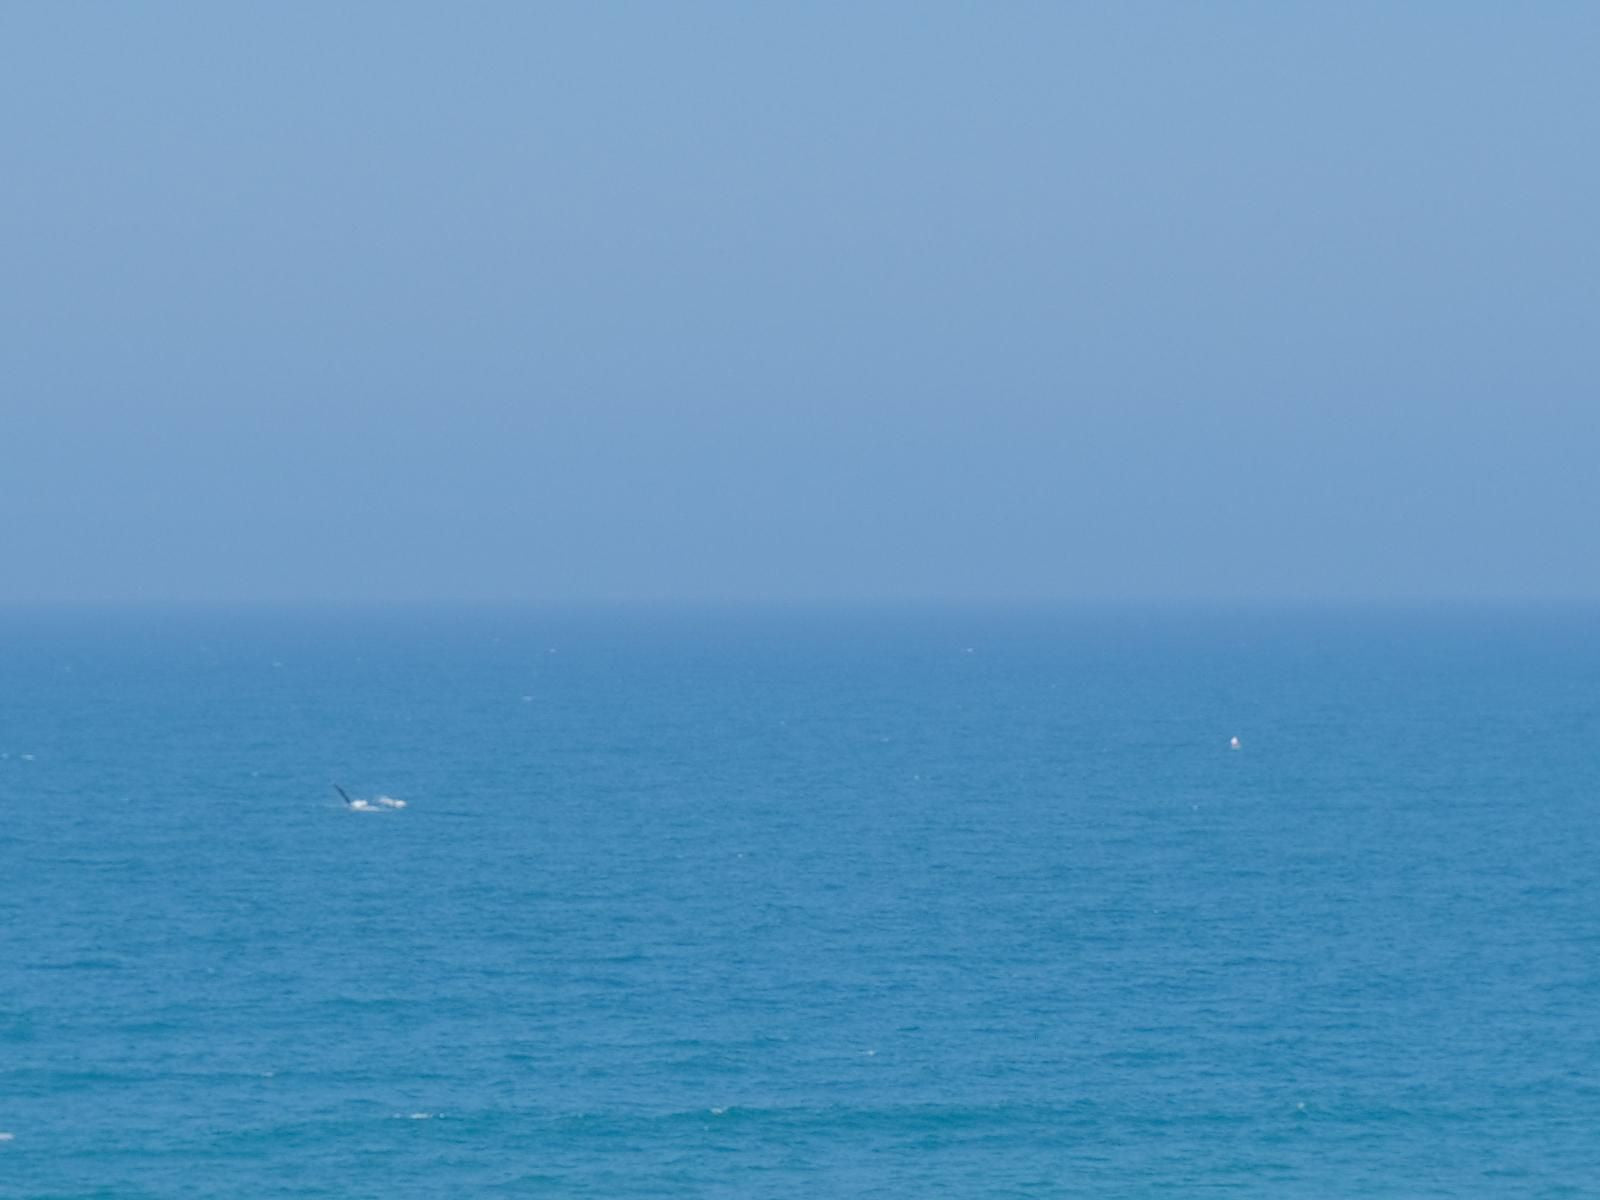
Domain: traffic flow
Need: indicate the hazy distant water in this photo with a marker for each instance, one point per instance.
(801, 906)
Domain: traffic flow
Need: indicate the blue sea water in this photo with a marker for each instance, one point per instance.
(729, 904)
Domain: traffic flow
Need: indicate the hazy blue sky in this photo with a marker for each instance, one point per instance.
(363, 302)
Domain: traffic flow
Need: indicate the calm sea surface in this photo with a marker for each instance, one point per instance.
(737, 905)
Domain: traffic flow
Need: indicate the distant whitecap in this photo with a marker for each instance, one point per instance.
(1233, 743)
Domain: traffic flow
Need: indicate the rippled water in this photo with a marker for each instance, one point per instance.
(965, 904)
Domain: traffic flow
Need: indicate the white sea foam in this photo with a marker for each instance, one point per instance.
(6, 1137)
(390, 802)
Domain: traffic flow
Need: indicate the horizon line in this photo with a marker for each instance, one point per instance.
(568, 606)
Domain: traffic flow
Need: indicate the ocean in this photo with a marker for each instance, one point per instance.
(731, 903)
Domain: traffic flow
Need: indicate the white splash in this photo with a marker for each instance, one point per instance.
(6, 1137)
(361, 804)
(1233, 743)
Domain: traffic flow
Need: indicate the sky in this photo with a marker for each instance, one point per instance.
(386, 303)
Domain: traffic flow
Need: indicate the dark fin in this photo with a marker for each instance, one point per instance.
(345, 794)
